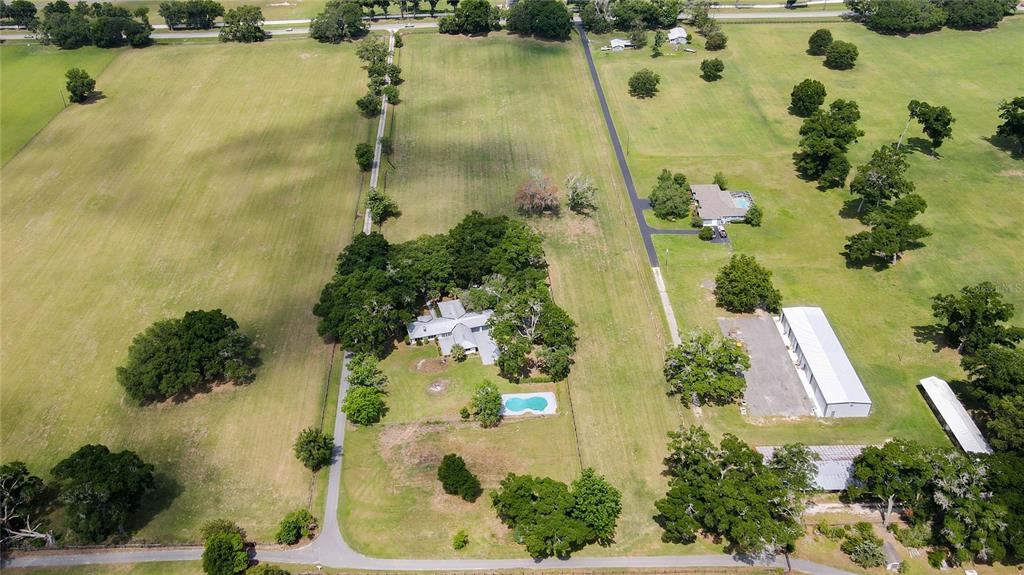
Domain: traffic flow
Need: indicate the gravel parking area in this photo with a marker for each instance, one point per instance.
(773, 388)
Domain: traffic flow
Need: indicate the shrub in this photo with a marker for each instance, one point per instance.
(716, 40)
(457, 479)
(460, 540)
(706, 234)
(754, 216)
(364, 156)
(486, 404)
(539, 194)
(831, 533)
(720, 181)
(387, 146)
(936, 558)
(464, 412)
(807, 96)
(916, 535)
(696, 221)
(819, 42)
(398, 41)
(581, 194)
(644, 83)
(863, 547)
(711, 70)
(314, 448)
(841, 55)
(458, 353)
(296, 525)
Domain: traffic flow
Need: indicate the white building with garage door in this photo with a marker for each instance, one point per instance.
(836, 387)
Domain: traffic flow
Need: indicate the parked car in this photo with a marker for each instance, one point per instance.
(721, 231)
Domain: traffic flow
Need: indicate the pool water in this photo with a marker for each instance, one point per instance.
(519, 405)
(743, 203)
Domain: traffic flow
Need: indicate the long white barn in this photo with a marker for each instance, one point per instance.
(838, 391)
(955, 418)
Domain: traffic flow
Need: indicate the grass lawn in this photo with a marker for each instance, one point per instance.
(740, 126)
(394, 505)
(34, 80)
(208, 176)
(477, 114)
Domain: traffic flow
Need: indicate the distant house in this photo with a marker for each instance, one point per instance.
(618, 44)
(677, 36)
(954, 418)
(835, 386)
(452, 326)
(716, 206)
(834, 465)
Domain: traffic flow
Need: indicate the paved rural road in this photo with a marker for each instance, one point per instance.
(392, 26)
(331, 550)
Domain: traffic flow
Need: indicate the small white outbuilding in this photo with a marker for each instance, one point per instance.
(677, 36)
(619, 44)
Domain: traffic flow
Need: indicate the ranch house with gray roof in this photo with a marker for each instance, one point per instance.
(452, 325)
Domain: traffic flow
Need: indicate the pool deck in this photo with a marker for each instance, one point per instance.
(550, 409)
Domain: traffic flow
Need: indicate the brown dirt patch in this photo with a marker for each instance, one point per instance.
(435, 365)
(438, 386)
(1012, 173)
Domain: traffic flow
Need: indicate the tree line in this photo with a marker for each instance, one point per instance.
(101, 24)
(917, 16)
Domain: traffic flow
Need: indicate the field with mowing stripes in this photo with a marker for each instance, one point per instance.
(217, 176)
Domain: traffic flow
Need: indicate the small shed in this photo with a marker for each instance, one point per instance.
(619, 44)
(677, 36)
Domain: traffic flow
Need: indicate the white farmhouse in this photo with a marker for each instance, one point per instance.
(452, 326)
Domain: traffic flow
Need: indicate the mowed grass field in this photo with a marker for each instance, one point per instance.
(740, 126)
(477, 114)
(33, 81)
(215, 176)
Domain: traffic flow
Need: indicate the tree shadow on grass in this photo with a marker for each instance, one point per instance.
(165, 490)
(923, 146)
(932, 334)
(94, 97)
(1015, 149)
